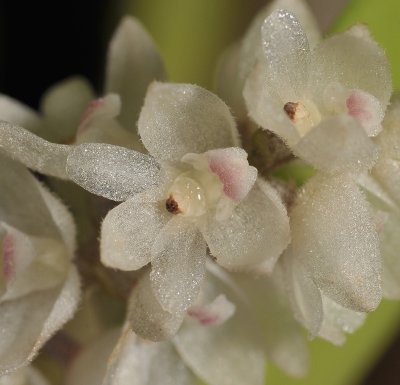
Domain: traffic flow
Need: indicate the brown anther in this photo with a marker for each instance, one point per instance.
(290, 109)
(172, 205)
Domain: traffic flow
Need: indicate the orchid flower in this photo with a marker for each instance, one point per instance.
(324, 102)
(195, 189)
(39, 285)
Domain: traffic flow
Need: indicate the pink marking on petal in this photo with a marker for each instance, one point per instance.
(232, 168)
(92, 107)
(8, 256)
(202, 316)
(359, 107)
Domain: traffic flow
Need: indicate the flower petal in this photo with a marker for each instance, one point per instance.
(338, 320)
(333, 235)
(356, 62)
(146, 316)
(62, 106)
(34, 152)
(257, 231)
(178, 119)
(133, 63)
(266, 108)
(288, 55)
(138, 362)
(110, 171)
(178, 265)
(337, 144)
(128, 233)
(24, 376)
(15, 112)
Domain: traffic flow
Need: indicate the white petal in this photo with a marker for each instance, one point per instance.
(257, 231)
(338, 321)
(13, 111)
(355, 62)
(21, 204)
(24, 376)
(146, 316)
(110, 171)
(178, 119)
(178, 265)
(36, 153)
(337, 144)
(133, 63)
(128, 233)
(334, 236)
(234, 171)
(137, 362)
(62, 106)
(266, 108)
(288, 55)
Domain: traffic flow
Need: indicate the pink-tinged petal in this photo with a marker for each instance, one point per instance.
(234, 171)
(367, 110)
(33, 151)
(107, 107)
(212, 314)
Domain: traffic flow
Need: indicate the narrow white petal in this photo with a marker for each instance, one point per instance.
(178, 119)
(129, 231)
(257, 231)
(36, 153)
(146, 316)
(178, 265)
(24, 376)
(110, 171)
(288, 54)
(334, 236)
(133, 62)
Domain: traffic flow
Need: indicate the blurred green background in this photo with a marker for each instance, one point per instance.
(191, 34)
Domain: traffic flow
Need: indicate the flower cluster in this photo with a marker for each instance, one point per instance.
(206, 265)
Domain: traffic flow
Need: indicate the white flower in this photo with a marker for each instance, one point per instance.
(24, 376)
(324, 102)
(39, 286)
(205, 194)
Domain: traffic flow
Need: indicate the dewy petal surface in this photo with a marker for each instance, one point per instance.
(111, 171)
(33, 151)
(353, 61)
(257, 231)
(334, 236)
(138, 362)
(133, 62)
(288, 54)
(337, 144)
(128, 233)
(62, 106)
(178, 265)
(146, 316)
(178, 119)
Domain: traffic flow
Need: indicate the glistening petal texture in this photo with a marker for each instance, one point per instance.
(355, 62)
(334, 236)
(128, 233)
(133, 62)
(24, 376)
(266, 108)
(62, 106)
(110, 171)
(257, 231)
(288, 54)
(33, 151)
(337, 144)
(138, 362)
(146, 316)
(178, 119)
(178, 265)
